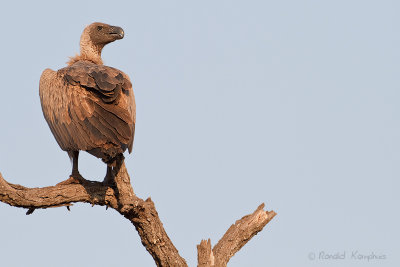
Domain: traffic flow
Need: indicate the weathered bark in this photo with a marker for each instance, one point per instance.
(234, 239)
(141, 213)
(205, 255)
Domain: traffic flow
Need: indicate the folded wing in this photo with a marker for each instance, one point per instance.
(89, 107)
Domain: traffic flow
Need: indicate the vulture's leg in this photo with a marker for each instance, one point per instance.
(75, 176)
(109, 179)
(74, 155)
(75, 171)
(113, 169)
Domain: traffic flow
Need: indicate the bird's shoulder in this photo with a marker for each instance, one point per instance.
(106, 82)
(47, 76)
(87, 73)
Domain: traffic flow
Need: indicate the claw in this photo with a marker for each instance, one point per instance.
(72, 180)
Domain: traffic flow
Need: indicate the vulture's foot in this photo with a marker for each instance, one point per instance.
(73, 179)
(109, 180)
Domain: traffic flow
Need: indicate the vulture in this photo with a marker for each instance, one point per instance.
(89, 106)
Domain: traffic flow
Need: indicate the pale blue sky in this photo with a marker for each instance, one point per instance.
(291, 103)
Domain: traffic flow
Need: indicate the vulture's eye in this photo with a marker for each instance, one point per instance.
(99, 28)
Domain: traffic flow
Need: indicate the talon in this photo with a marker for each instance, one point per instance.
(71, 180)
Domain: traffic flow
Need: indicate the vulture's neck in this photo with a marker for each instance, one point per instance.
(89, 52)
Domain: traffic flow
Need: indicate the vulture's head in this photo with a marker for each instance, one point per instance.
(102, 34)
(94, 38)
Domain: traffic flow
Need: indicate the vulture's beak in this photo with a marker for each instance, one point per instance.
(118, 32)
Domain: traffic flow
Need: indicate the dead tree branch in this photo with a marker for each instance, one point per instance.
(141, 213)
(234, 239)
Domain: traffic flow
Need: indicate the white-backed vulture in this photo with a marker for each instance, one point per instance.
(89, 106)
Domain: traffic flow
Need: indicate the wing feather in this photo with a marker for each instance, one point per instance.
(89, 107)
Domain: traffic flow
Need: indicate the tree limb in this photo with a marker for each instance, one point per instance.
(205, 255)
(141, 213)
(234, 239)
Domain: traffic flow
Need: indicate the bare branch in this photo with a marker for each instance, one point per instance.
(205, 255)
(141, 213)
(234, 239)
(55, 196)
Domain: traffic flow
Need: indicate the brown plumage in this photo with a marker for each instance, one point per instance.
(89, 106)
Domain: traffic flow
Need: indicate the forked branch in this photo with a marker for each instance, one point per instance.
(141, 213)
(234, 239)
